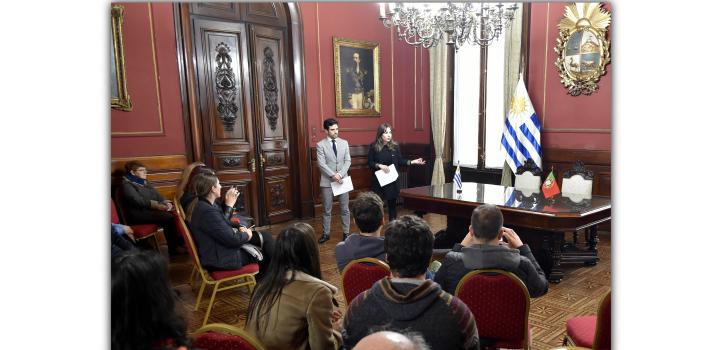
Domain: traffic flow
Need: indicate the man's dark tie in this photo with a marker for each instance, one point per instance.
(334, 148)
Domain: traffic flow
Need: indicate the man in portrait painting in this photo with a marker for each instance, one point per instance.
(355, 83)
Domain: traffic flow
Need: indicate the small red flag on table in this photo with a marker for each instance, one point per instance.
(550, 186)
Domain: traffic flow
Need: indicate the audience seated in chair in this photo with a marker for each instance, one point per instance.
(142, 311)
(407, 300)
(367, 211)
(186, 179)
(188, 194)
(142, 204)
(292, 307)
(483, 248)
(221, 246)
(389, 340)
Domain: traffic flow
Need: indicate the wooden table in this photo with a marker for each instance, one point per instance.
(542, 221)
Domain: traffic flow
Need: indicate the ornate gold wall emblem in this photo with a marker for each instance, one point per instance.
(582, 48)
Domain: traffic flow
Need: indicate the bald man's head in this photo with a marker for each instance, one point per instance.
(388, 340)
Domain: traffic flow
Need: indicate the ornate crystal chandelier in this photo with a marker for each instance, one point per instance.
(423, 24)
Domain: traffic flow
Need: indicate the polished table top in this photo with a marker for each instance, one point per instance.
(509, 199)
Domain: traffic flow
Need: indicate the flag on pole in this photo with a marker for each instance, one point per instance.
(521, 136)
(550, 186)
(457, 179)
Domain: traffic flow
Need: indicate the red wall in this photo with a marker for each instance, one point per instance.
(574, 122)
(155, 125)
(404, 74)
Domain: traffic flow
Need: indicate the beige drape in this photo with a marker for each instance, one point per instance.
(513, 68)
(438, 106)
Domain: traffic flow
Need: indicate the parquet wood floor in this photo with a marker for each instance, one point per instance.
(578, 294)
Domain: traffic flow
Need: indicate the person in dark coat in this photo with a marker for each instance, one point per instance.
(220, 245)
(143, 204)
(383, 153)
(406, 300)
(482, 248)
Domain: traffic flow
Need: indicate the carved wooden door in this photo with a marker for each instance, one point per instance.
(224, 85)
(267, 47)
(241, 72)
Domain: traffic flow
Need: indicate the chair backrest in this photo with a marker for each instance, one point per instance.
(119, 207)
(187, 237)
(603, 325)
(220, 336)
(527, 181)
(500, 303)
(359, 275)
(114, 218)
(577, 181)
(528, 176)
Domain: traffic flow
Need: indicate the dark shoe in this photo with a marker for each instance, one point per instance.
(323, 239)
(345, 236)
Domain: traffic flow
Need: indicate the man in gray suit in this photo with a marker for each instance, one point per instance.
(333, 155)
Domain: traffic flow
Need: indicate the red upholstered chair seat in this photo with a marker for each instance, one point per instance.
(500, 303)
(220, 336)
(249, 268)
(220, 341)
(144, 230)
(592, 331)
(581, 330)
(359, 275)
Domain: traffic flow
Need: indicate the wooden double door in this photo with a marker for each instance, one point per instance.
(238, 86)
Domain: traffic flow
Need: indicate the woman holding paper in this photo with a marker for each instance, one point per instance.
(383, 154)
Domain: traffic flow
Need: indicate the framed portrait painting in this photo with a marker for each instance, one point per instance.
(357, 77)
(119, 96)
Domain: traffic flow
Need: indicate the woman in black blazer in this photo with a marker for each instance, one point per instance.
(383, 152)
(221, 246)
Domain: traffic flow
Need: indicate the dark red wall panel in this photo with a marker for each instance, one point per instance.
(154, 126)
(404, 74)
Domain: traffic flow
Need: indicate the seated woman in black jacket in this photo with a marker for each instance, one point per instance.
(220, 245)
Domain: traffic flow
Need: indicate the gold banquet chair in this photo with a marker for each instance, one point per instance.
(220, 336)
(242, 277)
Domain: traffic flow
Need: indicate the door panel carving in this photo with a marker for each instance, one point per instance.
(240, 81)
(268, 55)
(224, 92)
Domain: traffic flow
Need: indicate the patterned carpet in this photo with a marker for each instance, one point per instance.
(578, 294)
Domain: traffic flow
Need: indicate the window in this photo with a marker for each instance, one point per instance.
(484, 79)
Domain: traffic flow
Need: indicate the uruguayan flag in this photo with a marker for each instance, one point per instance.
(521, 136)
(456, 178)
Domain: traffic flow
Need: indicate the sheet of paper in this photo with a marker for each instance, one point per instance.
(386, 178)
(345, 186)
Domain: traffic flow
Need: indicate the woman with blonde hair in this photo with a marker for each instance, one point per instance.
(292, 307)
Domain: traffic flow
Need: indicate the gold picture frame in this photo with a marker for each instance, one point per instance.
(119, 96)
(357, 83)
(582, 47)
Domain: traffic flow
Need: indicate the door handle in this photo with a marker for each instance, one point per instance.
(262, 161)
(252, 165)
